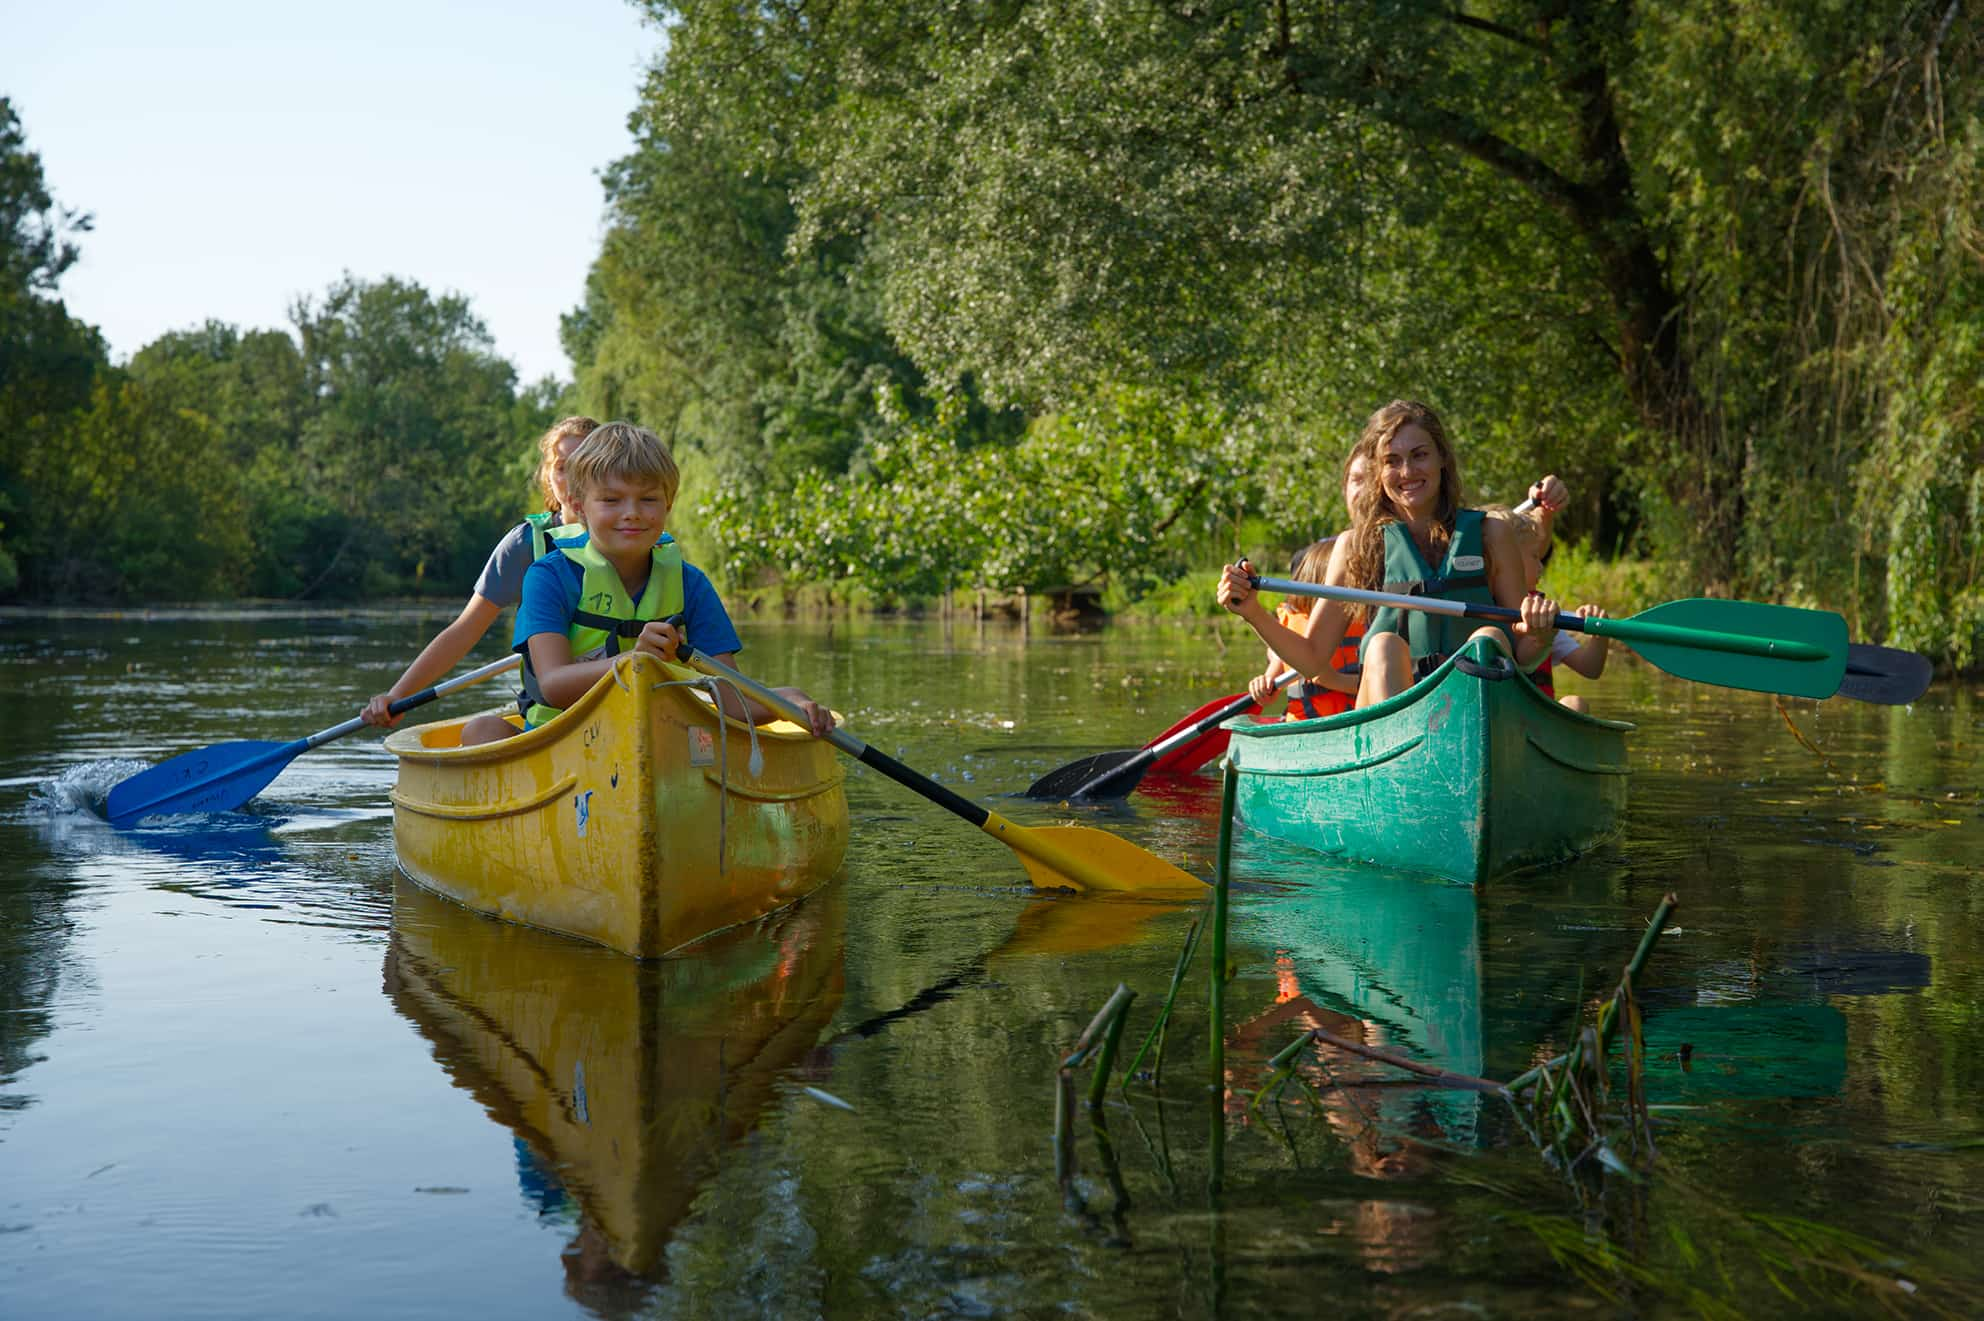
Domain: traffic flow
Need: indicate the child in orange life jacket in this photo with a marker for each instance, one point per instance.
(625, 571)
(502, 581)
(1582, 653)
(1329, 693)
(1334, 692)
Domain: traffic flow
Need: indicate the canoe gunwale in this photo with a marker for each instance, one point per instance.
(409, 743)
(1249, 727)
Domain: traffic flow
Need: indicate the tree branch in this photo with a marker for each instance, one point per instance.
(1496, 29)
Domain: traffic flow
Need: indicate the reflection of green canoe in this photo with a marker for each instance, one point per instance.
(624, 1078)
(1469, 773)
(1400, 955)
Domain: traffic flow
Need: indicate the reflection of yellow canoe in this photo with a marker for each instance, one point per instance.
(633, 819)
(626, 1080)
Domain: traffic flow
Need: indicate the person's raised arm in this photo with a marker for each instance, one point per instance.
(1309, 653)
(439, 656)
(1550, 495)
(1506, 581)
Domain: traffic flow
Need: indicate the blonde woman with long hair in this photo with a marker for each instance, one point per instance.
(1412, 518)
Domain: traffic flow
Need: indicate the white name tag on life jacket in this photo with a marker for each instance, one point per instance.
(1469, 564)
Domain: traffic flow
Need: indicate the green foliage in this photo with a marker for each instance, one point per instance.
(411, 430)
(1118, 491)
(384, 446)
(127, 505)
(1689, 256)
(701, 321)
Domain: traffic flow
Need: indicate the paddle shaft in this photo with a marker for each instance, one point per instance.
(1133, 769)
(410, 701)
(863, 752)
(1067, 855)
(1625, 630)
(220, 779)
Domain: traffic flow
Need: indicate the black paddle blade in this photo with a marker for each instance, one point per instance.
(1062, 783)
(1887, 675)
(1117, 782)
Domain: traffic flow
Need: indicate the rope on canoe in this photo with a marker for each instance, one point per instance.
(756, 765)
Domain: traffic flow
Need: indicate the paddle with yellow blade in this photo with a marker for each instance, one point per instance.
(1062, 856)
(1737, 644)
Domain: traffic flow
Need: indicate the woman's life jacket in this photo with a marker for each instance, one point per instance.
(1463, 576)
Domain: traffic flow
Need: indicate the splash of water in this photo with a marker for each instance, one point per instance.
(83, 788)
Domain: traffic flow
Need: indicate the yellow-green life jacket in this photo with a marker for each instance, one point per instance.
(547, 533)
(1463, 576)
(605, 615)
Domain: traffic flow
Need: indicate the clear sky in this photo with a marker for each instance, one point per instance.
(240, 155)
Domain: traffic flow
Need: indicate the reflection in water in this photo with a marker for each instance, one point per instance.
(1821, 890)
(623, 1080)
(1390, 961)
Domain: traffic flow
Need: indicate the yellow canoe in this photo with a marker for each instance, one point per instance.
(633, 819)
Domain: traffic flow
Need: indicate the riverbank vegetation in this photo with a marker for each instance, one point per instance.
(1056, 298)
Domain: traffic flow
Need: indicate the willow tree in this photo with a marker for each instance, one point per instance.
(1572, 208)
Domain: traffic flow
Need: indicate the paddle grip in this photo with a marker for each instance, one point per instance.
(411, 700)
(432, 691)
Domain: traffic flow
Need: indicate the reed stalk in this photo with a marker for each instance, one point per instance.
(1099, 1080)
(1609, 1014)
(1064, 1130)
(1157, 1029)
(1228, 791)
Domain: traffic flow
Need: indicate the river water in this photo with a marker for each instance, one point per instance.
(246, 1070)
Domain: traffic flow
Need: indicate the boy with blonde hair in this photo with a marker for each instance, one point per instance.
(620, 587)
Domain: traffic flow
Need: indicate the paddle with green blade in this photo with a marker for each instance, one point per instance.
(1054, 856)
(1736, 644)
(224, 776)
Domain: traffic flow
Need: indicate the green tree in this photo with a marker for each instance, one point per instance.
(133, 503)
(407, 454)
(704, 321)
(1605, 237)
(48, 359)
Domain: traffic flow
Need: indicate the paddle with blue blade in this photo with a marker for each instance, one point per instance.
(1736, 644)
(224, 776)
(1054, 856)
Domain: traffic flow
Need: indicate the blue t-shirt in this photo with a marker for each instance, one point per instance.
(551, 598)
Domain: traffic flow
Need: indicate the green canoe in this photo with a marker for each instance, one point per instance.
(1469, 773)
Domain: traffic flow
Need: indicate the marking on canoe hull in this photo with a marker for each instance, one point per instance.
(702, 746)
(1361, 764)
(1577, 764)
(582, 808)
